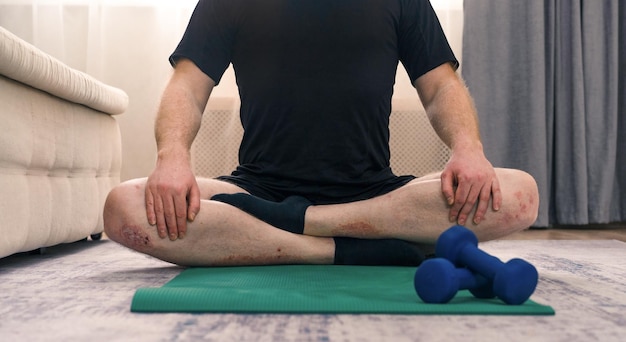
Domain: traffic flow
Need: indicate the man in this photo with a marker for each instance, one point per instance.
(314, 183)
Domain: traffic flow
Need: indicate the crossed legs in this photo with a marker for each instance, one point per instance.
(224, 235)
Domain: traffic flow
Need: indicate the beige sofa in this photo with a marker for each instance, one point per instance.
(60, 149)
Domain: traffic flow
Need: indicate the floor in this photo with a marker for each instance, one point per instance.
(83, 292)
(615, 231)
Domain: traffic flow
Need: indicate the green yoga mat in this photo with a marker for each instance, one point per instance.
(310, 290)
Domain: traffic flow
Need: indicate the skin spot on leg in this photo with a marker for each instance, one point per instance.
(507, 219)
(526, 205)
(356, 229)
(248, 260)
(523, 207)
(531, 199)
(135, 238)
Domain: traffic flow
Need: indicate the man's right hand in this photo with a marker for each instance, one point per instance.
(172, 197)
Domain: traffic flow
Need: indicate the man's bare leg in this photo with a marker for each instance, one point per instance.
(418, 212)
(219, 235)
(225, 235)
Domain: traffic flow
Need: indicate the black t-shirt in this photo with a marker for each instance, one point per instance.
(315, 79)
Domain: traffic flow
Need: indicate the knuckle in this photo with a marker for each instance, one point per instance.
(470, 202)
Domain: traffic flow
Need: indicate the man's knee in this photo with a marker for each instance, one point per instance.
(123, 222)
(524, 198)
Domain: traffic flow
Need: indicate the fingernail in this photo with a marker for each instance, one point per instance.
(181, 235)
(192, 216)
(173, 237)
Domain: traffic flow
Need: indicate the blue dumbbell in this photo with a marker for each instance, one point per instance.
(438, 281)
(513, 282)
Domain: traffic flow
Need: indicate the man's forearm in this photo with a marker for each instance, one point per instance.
(181, 108)
(453, 116)
(177, 123)
(450, 108)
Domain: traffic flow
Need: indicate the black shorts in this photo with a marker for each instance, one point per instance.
(322, 194)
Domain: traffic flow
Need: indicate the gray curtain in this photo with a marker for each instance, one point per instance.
(548, 78)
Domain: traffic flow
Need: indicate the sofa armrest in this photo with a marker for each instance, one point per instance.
(25, 63)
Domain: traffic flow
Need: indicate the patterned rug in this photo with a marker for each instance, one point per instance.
(83, 291)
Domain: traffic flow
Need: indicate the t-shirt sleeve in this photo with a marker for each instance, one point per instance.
(422, 43)
(208, 39)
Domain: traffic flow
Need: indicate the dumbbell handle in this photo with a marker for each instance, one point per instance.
(460, 245)
(479, 261)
